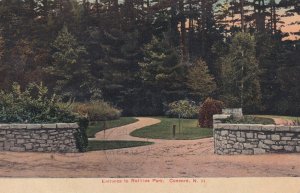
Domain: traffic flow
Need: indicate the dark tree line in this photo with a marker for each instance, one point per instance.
(143, 54)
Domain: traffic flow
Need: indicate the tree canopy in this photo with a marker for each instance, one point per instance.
(141, 55)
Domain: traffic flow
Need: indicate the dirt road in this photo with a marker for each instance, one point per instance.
(166, 158)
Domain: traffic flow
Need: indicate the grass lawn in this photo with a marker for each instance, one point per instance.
(106, 145)
(95, 127)
(163, 130)
(279, 116)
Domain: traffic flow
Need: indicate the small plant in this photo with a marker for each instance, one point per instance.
(182, 108)
(96, 111)
(207, 110)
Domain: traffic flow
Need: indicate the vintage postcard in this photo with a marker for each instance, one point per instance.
(146, 95)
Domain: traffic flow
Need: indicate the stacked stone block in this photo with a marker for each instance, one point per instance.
(235, 112)
(256, 139)
(38, 137)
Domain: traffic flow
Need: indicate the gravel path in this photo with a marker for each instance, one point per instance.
(165, 158)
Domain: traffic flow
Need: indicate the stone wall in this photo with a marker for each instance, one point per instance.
(256, 139)
(235, 112)
(38, 137)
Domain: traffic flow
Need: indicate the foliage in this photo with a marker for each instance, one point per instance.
(182, 109)
(32, 105)
(199, 80)
(1, 47)
(116, 67)
(81, 134)
(162, 74)
(240, 70)
(288, 74)
(96, 111)
(249, 119)
(69, 67)
(207, 110)
(106, 50)
(268, 51)
(190, 130)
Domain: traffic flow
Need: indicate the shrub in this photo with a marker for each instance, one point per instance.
(34, 106)
(80, 135)
(249, 119)
(207, 110)
(96, 111)
(182, 108)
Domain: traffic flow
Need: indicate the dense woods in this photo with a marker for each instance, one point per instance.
(141, 55)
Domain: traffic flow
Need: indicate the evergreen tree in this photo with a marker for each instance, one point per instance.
(69, 68)
(268, 55)
(200, 81)
(110, 35)
(116, 67)
(288, 72)
(240, 73)
(162, 74)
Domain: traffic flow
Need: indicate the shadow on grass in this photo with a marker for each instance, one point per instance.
(114, 144)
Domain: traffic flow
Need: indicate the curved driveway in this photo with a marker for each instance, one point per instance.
(165, 158)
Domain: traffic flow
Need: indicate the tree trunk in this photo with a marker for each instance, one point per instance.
(242, 15)
(273, 17)
(242, 83)
(115, 5)
(183, 31)
(45, 8)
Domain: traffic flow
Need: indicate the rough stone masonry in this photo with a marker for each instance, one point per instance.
(57, 137)
(255, 138)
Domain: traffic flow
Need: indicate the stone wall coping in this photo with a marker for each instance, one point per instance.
(39, 126)
(221, 116)
(257, 127)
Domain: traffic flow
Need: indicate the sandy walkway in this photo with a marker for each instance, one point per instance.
(166, 158)
(122, 133)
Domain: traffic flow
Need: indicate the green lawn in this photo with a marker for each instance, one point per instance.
(106, 145)
(95, 127)
(163, 130)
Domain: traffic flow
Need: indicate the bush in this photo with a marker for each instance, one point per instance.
(249, 119)
(81, 135)
(34, 106)
(183, 108)
(207, 110)
(96, 111)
